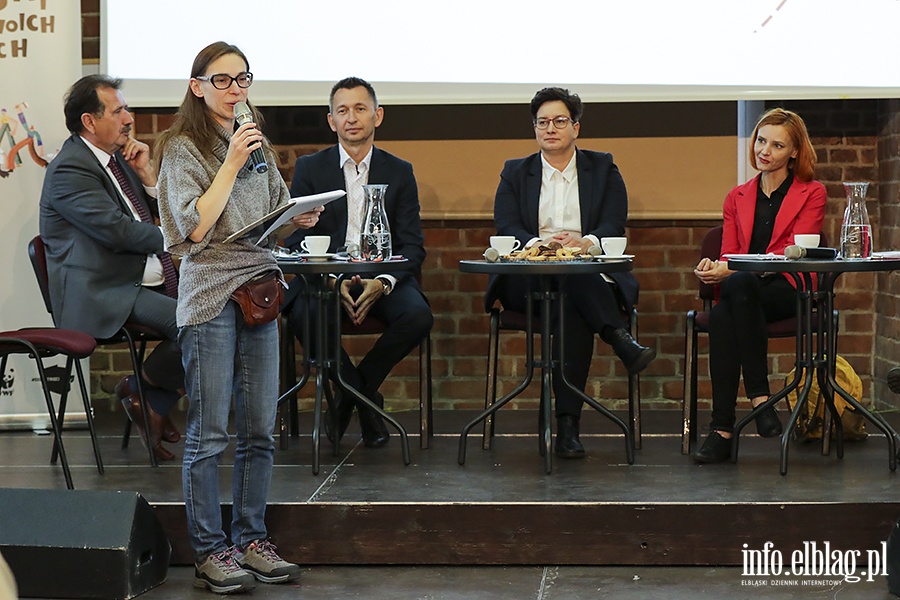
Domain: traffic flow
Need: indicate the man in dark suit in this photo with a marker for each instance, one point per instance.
(576, 198)
(394, 297)
(105, 256)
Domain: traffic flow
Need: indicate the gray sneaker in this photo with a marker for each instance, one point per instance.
(222, 574)
(261, 559)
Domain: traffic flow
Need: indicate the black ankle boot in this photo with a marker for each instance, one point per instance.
(714, 450)
(768, 425)
(344, 409)
(374, 432)
(634, 356)
(567, 443)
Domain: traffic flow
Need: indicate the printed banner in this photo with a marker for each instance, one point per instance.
(40, 57)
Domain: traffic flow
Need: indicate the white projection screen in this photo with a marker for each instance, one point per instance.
(496, 51)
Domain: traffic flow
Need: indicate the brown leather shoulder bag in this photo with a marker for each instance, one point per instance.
(260, 298)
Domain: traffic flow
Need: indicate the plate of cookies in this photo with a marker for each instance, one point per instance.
(552, 252)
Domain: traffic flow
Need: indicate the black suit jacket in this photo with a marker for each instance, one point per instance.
(96, 250)
(321, 172)
(602, 197)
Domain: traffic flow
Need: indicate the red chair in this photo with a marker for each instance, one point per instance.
(698, 322)
(134, 335)
(41, 343)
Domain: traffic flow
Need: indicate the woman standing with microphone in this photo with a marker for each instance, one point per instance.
(209, 188)
(760, 216)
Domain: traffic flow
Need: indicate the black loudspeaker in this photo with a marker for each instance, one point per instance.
(893, 560)
(82, 544)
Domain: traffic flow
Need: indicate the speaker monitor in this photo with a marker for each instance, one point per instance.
(82, 544)
(893, 560)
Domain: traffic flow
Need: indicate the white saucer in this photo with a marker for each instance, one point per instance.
(317, 257)
(614, 257)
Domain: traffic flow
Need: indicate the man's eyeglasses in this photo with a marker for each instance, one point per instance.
(222, 81)
(558, 122)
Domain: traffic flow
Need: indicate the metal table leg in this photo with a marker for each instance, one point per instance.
(629, 441)
(526, 381)
(353, 392)
(803, 364)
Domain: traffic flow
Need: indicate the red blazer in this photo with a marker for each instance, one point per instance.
(802, 211)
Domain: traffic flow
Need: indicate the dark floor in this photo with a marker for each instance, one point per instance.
(525, 583)
(511, 472)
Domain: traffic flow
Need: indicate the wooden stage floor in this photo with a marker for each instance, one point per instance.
(500, 508)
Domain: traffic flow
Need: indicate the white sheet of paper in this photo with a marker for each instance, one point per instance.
(296, 206)
(768, 256)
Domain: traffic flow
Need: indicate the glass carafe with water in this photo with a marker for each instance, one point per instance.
(856, 231)
(375, 236)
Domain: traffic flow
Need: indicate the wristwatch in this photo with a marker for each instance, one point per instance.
(386, 287)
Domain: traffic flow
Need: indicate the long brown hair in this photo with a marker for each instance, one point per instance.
(804, 165)
(193, 119)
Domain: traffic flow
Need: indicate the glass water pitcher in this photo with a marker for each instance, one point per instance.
(856, 231)
(375, 236)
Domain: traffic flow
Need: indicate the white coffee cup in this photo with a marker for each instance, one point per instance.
(504, 244)
(613, 246)
(807, 240)
(316, 244)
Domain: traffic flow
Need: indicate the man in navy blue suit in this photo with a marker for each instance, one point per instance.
(573, 197)
(393, 297)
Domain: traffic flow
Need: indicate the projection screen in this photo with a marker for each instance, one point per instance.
(496, 51)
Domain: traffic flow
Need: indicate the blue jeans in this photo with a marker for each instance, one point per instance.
(224, 357)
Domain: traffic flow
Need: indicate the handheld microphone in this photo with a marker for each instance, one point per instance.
(795, 252)
(243, 115)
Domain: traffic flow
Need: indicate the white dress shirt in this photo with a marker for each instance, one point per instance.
(356, 176)
(559, 209)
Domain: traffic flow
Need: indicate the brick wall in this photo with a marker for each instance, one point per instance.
(849, 154)
(665, 254)
(886, 352)
(855, 140)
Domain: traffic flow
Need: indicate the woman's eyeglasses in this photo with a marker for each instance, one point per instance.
(222, 81)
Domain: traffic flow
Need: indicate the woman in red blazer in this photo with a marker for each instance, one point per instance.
(760, 217)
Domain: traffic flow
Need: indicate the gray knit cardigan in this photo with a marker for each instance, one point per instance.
(211, 269)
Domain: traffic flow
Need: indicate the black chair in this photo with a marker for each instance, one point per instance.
(41, 343)
(134, 335)
(510, 320)
(371, 326)
(697, 322)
